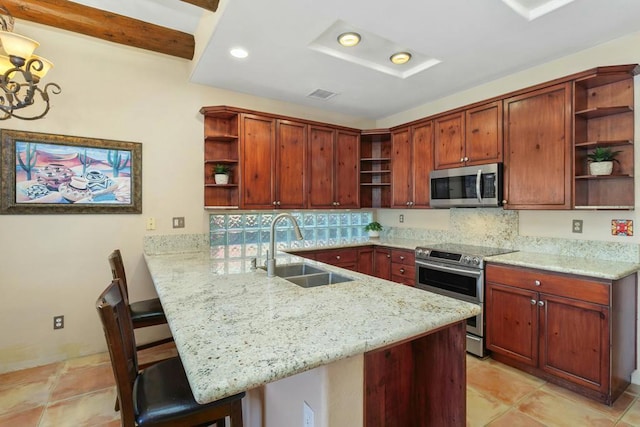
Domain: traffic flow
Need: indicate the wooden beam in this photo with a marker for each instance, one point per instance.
(211, 5)
(101, 24)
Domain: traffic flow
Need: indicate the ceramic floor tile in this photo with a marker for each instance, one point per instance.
(38, 374)
(505, 385)
(554, 410)
(80, 380)
(618, 408)
(481, 408)
(23, 397)
(515, 418)
(633, 389)
(632, 416)
(28, 418)
(88, 410)
(86, 361)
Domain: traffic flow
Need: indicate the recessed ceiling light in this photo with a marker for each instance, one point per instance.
(400, 58)
(238, 52)
(349, 39)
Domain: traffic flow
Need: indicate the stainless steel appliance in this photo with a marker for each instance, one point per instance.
(457, 271)
(470, 186)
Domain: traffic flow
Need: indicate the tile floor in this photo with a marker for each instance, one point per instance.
(81, 392)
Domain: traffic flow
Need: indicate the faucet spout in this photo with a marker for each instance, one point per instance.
(271, 260)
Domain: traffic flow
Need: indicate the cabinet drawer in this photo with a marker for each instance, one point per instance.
(341, 256)
(400, 270)
(399, 256)
(576, 287)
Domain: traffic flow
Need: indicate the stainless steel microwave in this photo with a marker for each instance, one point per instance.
(469, 186)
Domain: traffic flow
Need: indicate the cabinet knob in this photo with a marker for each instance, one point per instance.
(461, 159)
(388, 256)
(533, 302)
(278, 203)
(337, 256)
(402, 270)
(275, 203)
(537, 283)
(401, 258)
(541, 303)
(337, 203)
(504, 202)
(466, 159)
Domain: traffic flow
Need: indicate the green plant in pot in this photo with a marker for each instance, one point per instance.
(221, 174)
(373, 228)
(601, 160)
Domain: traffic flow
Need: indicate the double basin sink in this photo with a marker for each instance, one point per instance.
(308, 276)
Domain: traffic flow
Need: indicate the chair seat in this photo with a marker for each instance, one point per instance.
(161, 393)
(147, 312)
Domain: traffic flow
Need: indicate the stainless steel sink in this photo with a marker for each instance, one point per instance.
(318, 279)
(288, 270)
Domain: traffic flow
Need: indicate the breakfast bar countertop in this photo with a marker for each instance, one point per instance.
(238, 331)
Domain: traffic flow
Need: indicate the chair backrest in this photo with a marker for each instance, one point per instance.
(117, 270)
(118, 330)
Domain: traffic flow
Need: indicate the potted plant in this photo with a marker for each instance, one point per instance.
(221, 174)
(373, 228)
(601, 160)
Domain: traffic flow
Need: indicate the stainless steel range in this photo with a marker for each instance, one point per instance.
(457, 271)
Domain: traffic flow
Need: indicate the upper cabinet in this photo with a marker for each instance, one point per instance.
(469, 137)
(412, 161)
(603, 103)
(221, 146)
(375, 169)
(333, 166)
(537, 140)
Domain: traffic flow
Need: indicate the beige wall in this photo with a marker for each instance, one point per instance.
(57, 264)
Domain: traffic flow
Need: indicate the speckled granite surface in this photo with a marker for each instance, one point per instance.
(238, 331)
(567, 264)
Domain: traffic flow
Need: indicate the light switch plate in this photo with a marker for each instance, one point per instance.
(178, 222)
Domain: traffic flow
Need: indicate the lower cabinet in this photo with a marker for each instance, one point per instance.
(575, 331)
(382, 262)
(403, 268)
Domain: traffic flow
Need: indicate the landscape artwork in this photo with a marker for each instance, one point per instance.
(44, 173)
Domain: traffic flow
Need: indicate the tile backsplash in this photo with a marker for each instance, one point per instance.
(247, 234)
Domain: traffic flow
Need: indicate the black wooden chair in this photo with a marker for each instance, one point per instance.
(143, 313)
(160, 394)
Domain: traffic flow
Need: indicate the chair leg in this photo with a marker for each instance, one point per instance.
(117, 405)
(236, 414)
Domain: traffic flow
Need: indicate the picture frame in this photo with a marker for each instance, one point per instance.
(59, 174)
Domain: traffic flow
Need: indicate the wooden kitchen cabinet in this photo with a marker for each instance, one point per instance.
(537, 140)
(382, 262)
(575, 331)
(333, 166)
(365, 260)
(375, 168)
(341, 257)
(448, 147)
(411, 164)
(290, 169)
(403, 269)
(603, 102)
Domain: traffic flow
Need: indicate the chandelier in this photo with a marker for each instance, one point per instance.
(20, 74)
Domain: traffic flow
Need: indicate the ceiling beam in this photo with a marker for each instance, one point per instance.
(211, 5)
(101, 24)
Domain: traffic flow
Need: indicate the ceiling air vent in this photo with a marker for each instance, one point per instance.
(322, 94)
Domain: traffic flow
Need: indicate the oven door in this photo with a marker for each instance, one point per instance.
(458, 282)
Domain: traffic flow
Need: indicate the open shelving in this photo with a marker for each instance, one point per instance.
(603, 113)
(375, 169)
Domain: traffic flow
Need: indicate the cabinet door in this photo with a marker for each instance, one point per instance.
(401, 173)
(291, 153)
(483, 142)
(382, 263)
(365, 261)
(538, 149)
(258, 138)
(320, 167)
(512, 322)
(422, 145)
(449, 141)
(346, 258)
(347, 175)
(574, 344)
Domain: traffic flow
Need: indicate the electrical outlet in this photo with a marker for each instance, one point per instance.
(401, 218)
(307, 420)
(577, 226)
(151, 223)
(178, 222)
(58, 322)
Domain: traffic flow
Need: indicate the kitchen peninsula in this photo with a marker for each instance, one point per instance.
(236, 332)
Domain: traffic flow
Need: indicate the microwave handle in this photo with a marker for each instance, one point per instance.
(478, 192)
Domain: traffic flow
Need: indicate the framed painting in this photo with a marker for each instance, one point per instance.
(57, 174)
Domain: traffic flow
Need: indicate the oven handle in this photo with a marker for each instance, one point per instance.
(446, 269)
(478, 189)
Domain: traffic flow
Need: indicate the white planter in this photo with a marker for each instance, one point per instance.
(373, 234)
(600, 168)
(221, 178)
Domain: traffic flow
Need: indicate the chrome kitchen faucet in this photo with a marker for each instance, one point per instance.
(271, 259)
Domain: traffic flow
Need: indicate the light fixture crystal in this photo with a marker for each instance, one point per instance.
(349, 39)
(400, 58)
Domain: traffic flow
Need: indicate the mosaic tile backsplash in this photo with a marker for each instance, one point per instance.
(242, 235)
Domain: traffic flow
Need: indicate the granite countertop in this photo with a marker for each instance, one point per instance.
(591, 267)
(238, 331)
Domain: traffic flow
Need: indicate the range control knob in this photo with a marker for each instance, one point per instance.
(419, 252)
(466, 259)
(476, 260)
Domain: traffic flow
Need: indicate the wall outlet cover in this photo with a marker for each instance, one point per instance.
(622, 227)
(576, 226)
